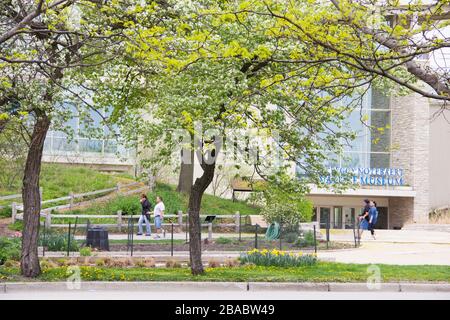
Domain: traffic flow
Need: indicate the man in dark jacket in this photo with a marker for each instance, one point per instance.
(365, 213)
(364, 218)
(145, 216)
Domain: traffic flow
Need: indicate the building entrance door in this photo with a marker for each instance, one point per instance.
(337, 218)
(382, 221)
(349, 217)
(324, 216)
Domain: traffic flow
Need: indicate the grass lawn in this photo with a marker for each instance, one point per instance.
(59, 180)
(322, 272)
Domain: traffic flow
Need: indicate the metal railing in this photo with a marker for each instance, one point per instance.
(180, 218)
(17, 207)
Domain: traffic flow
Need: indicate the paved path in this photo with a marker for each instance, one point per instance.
(394, 236)
(392, 253)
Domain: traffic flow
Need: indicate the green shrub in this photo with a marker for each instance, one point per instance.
(16, 226)
(291, 237)
(222, 240)
(284, 202)
(55, 241)
(45, 264)
(5, 212)
(307, 240)
(128, 205)
(100, 263)
(277, 258)
(12, 264)
(85, 251)
(9, 249)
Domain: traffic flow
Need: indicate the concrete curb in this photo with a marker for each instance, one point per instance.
(225, 286)
(135, 286)
(424, 287)
(358, 287)
(288, 286)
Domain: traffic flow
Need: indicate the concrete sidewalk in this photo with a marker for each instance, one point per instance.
(392, 236)
(173, 286)
(392, 253)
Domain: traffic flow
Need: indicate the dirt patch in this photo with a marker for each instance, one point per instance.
(4, 231)
(234, 246)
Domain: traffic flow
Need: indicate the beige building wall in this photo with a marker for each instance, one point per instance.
(439, 157)
(345, 201)
(410, 151)
(95, 161)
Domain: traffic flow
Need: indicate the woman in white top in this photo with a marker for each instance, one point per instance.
(158, 213)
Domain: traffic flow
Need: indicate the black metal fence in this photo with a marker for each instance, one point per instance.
(235, 242)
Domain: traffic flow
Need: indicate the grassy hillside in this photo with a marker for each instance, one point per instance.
(58, 180)
(173, 201)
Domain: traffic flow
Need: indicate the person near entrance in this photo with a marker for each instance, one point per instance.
(159, 215)
(368, 218)
(145, 216)
(373, 216)
(364, 218)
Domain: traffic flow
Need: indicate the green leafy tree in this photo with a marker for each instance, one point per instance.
(44, 45)
(206, 74)
(283, 201)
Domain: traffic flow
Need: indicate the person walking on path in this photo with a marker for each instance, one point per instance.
(364, 218)
(373, 216)
(145, 216)
(158, 212)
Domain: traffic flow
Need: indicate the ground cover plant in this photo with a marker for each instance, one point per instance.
(320, 272)
(277, 258)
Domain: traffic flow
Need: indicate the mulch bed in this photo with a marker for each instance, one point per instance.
(234, 246)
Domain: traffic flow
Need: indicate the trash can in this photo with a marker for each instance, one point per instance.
(97, 237)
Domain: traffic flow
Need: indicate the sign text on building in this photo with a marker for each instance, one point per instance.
(365, 176)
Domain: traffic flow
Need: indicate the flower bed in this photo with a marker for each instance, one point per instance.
(277, 258)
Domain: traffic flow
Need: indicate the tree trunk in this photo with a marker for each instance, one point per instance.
(195, 199)
(186, 178)
(32, 200)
